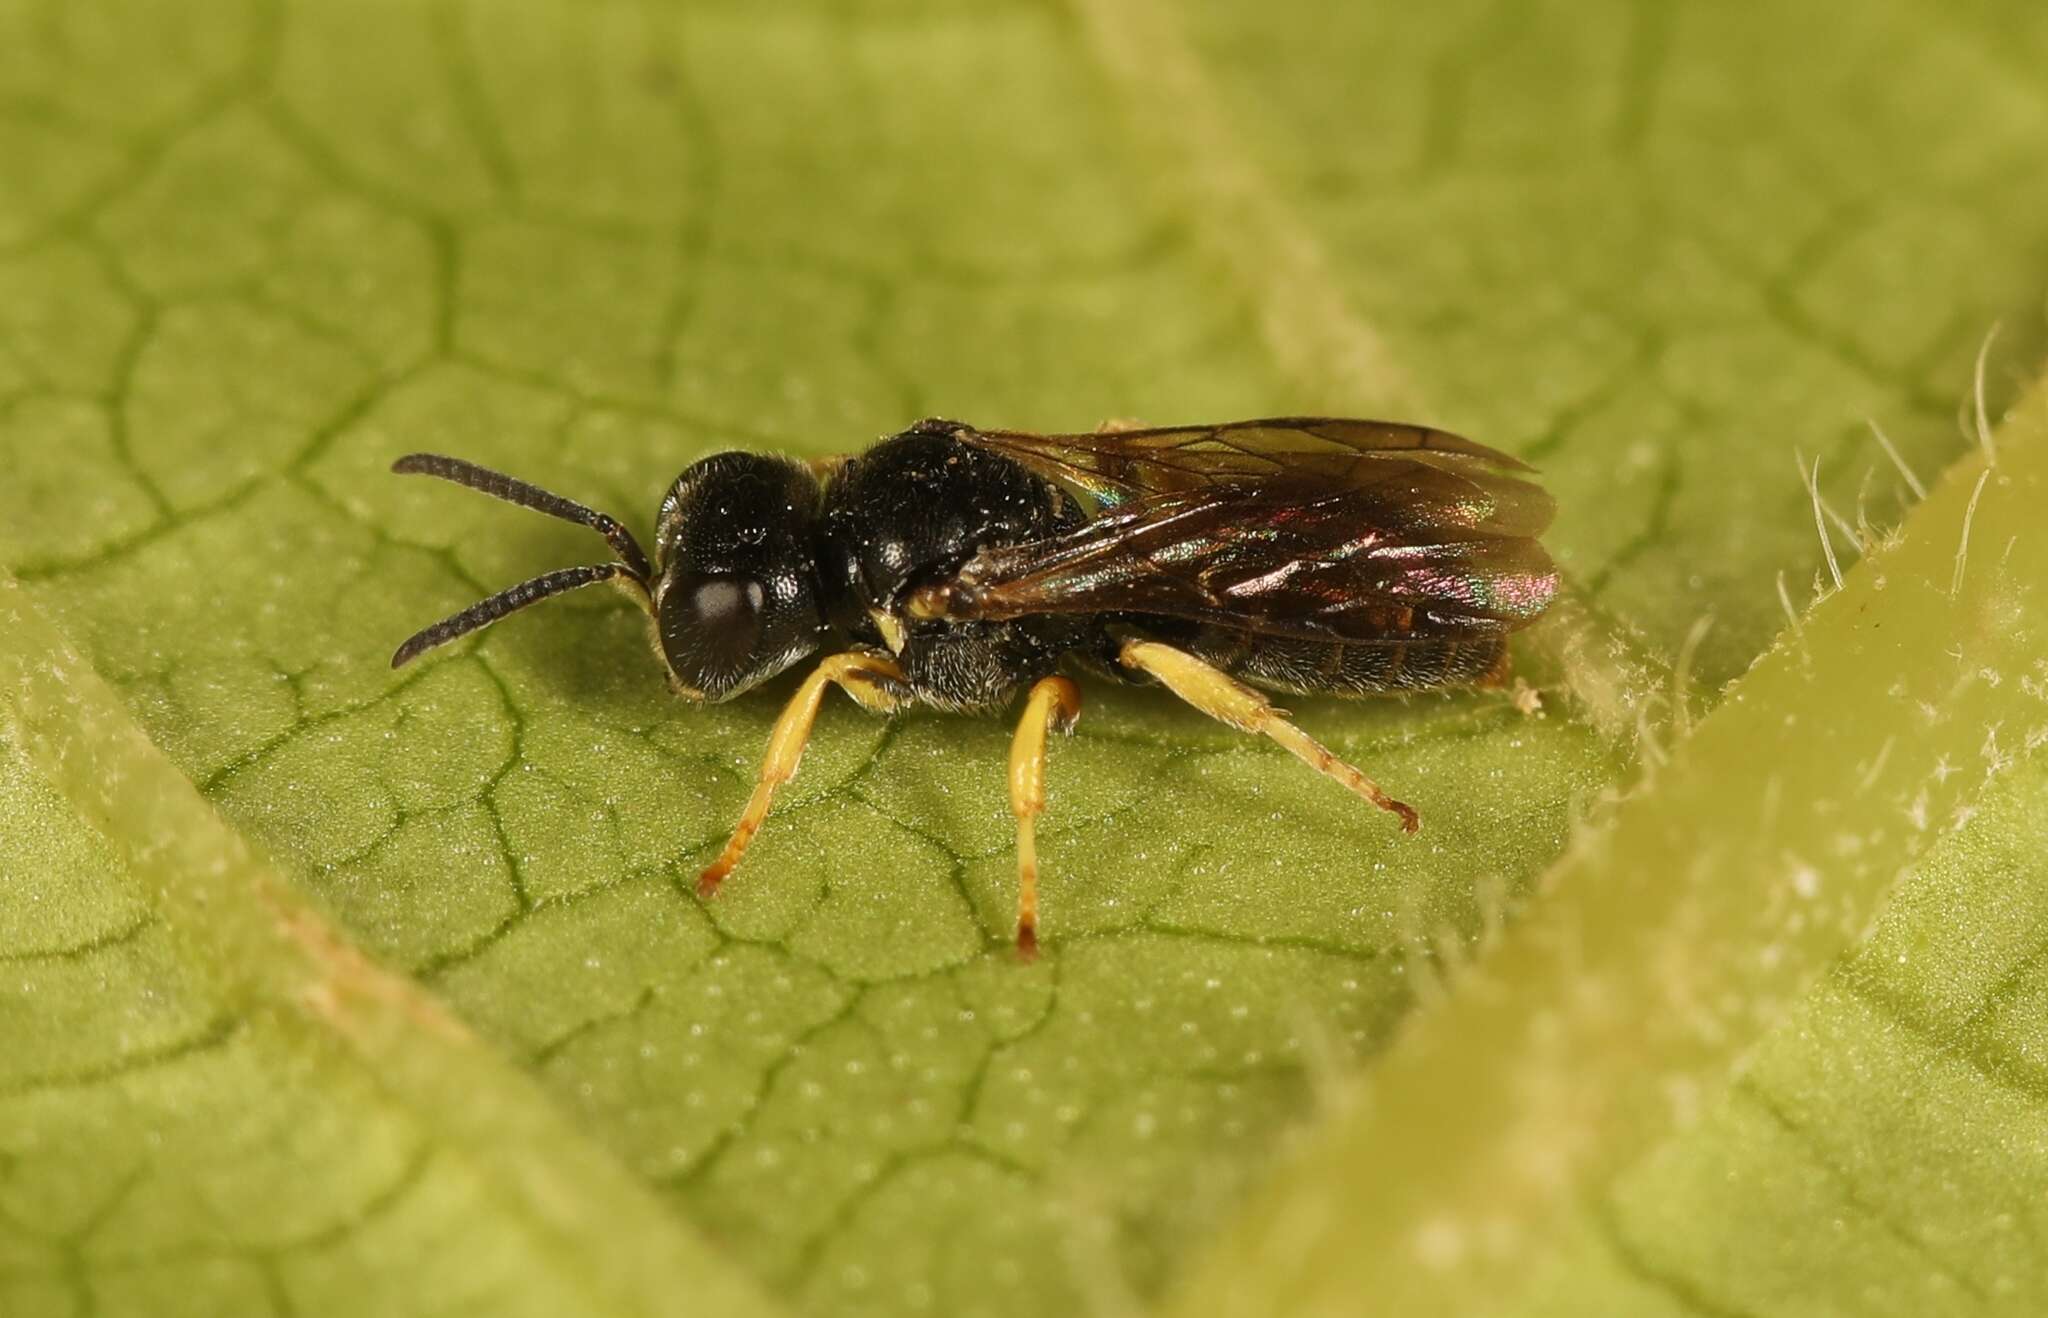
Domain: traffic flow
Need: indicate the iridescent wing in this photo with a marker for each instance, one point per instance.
(1115, 467)
(1317, 528)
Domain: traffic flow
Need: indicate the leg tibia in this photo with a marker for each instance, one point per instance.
(1222, 697)
(873, 680)
(1054, 704)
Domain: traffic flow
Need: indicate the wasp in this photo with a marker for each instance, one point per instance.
(955, 567)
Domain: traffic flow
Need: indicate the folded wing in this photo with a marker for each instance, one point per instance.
(1312, 527)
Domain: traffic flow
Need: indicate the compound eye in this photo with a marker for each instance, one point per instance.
(728, 611)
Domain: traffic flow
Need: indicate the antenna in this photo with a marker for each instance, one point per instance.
(513, 490)
(632, 564)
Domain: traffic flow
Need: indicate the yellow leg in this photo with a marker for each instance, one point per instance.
(871, 679)
(1223, 697)
(1054, 704)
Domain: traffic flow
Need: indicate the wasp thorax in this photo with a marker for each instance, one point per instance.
(735, 593)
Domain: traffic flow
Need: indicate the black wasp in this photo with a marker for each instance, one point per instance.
(955, 567)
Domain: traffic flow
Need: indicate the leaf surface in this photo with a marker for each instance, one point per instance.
(250, 254)
(1579, 1078)
(211, 1100)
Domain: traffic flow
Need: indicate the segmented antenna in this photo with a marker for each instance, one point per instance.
(513, 490)
(487, 611)
(632, 562)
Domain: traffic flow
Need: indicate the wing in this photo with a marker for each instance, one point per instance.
(1414, 556)
(1119, 467)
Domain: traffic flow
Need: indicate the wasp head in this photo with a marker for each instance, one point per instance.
(732, 588)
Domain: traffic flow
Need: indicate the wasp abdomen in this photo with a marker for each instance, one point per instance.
(1342, 668)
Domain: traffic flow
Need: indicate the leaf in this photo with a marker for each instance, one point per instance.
(212, 1100)
(1669, 943)
(249, 254)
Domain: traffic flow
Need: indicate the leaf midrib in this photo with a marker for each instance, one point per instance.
(271, 951)
(1439, 1134)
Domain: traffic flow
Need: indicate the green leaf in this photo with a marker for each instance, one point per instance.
(1889, 1122)
(212, 1101)
(250, 253)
